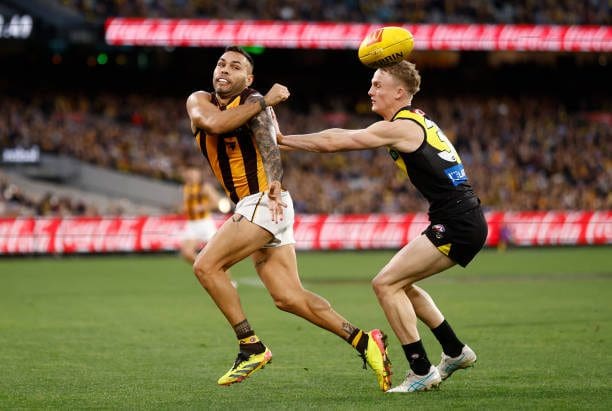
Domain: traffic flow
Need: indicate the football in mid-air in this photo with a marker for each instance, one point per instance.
(385, 46)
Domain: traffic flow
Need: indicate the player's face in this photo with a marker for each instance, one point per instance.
(383, 92)
(232, 74)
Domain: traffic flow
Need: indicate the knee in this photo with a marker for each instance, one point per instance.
(379, 286)
(284, 305)
(384, 287)
(284, 302)
(297, 302)
(203, 270)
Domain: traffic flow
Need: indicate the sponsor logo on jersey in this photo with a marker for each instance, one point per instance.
(456, 174)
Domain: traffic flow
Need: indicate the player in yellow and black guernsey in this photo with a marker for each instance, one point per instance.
(236, 132)
(457, 229)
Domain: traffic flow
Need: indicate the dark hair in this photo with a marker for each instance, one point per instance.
(240, 50)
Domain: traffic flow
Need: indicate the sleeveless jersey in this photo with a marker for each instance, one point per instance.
(234, 156)
(435, 168)
(193, 199)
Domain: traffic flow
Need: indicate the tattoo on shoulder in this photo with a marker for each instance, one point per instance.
(237, 217)
(264, 131)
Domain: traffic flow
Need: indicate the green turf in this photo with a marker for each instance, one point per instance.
(138, 332)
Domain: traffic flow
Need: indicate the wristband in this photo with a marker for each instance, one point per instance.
(262, 103)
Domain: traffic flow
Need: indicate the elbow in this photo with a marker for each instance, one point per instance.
(328, 145)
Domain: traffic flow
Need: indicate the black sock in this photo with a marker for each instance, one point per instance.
(359, 340)
(243, 330)
(247, 340)
(417, 357)
(447, 338)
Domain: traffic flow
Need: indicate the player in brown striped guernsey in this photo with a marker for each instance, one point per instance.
(236, 132)
(200, 199)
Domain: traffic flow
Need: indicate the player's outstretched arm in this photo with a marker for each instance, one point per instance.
(379, 134)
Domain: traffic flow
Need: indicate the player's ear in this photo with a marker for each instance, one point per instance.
(249, 79)
(400, 93)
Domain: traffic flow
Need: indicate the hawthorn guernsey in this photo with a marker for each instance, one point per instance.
(385, 46)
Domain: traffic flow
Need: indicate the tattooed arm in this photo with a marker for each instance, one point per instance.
(264, 130)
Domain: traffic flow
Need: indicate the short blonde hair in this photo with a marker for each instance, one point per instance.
(407, 73)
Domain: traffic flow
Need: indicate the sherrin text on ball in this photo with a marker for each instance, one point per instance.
(385, 46)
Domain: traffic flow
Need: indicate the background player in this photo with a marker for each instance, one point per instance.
(199, 200)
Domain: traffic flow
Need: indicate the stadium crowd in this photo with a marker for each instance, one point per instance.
(521, 154)
(14, 201)
(414, 11)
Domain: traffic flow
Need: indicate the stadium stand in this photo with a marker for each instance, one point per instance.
(544, 161)
(22, 197)
(415, 11)
(547, 150)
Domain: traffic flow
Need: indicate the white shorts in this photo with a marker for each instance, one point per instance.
(202, 230)
(255, 209)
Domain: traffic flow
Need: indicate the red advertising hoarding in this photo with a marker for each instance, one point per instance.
(33, 235)
(331, 35)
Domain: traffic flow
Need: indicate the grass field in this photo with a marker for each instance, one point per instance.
(138, 332)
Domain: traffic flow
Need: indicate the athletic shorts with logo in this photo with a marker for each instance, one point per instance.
(255, 209)
(460, 237)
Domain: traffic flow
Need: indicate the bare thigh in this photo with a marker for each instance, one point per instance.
(277, 268)
(419, 259)
(235, 240)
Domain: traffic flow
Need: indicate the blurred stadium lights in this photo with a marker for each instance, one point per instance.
(102, 58)
(16, 26)
(256, 50)
(46, 20)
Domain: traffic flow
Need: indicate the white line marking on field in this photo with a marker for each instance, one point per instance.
(251, 281)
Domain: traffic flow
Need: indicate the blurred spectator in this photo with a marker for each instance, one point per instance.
(520, 153)
(16, 202)
(379, 11)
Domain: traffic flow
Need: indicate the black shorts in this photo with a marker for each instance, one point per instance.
(460, 237)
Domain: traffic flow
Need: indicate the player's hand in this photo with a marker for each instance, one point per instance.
(276, 94)
(275, 202)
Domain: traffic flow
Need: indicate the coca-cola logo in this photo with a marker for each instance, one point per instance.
(97, 235)
(324, 35)
(161, 233)
(370, 231)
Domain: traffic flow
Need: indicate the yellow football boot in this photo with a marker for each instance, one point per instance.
(376, 357)
(244, 366)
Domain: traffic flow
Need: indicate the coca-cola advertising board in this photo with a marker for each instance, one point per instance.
(93, 235)
(336, 35)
